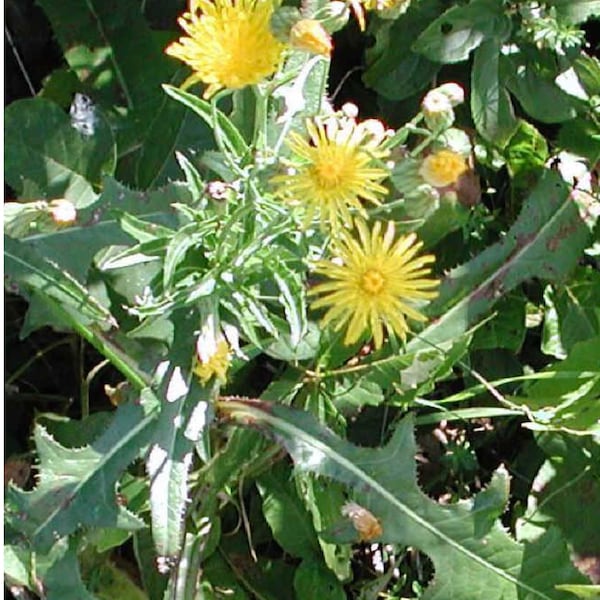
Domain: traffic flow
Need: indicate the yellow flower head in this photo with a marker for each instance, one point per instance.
(336, 168)
(373, 281)
(443, 168)
(310, 35)
(229, 43)
(215, 364)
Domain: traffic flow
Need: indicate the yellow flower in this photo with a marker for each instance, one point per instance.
(333, 170)
(310, 35)
(443, 168)
(374, 281)
(215, 364)
(229, 43)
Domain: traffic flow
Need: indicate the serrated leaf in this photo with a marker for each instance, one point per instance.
(185, 415)
(34, 274)
(48, 152)
(77, 486)
(545, 241)
(383, 480)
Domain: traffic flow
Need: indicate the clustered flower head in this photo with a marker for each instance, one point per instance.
(229, 43)
(374, 282)
(334, 169)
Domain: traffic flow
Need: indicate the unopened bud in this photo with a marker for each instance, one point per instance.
(454, 92)
(437, 110)
(63, 212)
(310, 35)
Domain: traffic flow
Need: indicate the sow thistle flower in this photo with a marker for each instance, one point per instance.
(374, 282)
(213, 354)
(443, 168)
(334, 169)
(229, 43)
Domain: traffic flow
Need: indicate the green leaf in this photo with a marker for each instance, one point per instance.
(572, 312)
(122, 62)
(394, 70)
(576, 11)
(569, 403)
(235, 140)
(59, 572)
(78, 486)
(29, 272)
(46, 151)
(506, 329)
(591, 592)
(539, 95)
(527, 151)
(313, 580)
(184, 416)
(286, 515)
(461, 29)
(383, 480)
(490, 102)
(545, 241)
(566, 493)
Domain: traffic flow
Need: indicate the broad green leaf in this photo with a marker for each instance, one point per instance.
(589, 592)
(526, 151)
(77, 486)
(48, 153)
(121, 60)
(383, 480)
(394, 70)
(286, 515)
(313, 580)
(461, 29)
(541, 98)
(490, 102)
(581, 136)
(545, 241)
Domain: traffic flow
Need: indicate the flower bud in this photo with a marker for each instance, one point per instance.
(437, 110)
(310, 35)
(453, 92)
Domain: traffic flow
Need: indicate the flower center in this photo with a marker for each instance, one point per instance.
(331, 168)
(372, 282)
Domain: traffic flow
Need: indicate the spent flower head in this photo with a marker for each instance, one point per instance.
(443, 168)
(311, 36)
(374, 282)
(229, 43)
(334, 169)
